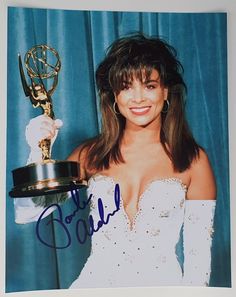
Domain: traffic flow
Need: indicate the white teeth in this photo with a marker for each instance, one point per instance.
(137, 110)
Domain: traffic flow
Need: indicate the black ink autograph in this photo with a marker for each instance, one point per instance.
(82, 230)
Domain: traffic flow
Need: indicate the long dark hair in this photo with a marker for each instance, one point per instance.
(136, 56)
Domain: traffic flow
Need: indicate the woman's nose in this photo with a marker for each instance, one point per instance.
(138, 95)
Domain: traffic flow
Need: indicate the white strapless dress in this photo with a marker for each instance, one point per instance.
(138, 253)
(142, 252)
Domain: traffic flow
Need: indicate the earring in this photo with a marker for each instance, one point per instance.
(166, 106)
(114, 108)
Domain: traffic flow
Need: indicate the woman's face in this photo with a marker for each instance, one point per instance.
(141, 103)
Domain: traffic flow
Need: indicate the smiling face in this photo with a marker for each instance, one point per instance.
(141, 101)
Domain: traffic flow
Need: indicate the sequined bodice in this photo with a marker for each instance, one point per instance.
(141, 250)
(142, 253)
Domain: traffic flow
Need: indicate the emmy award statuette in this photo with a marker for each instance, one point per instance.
(48, 176)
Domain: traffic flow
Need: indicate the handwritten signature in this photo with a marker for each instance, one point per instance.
(82, 230)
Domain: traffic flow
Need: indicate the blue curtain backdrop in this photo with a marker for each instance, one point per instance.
(81, 38)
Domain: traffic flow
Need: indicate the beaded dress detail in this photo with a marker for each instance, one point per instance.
(138, 253)
(142, 252)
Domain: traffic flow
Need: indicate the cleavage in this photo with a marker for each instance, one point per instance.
(131, 199)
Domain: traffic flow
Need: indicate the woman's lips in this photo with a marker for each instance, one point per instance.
(140, 110)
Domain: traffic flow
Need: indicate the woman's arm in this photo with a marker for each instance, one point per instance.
(198, 223)
(29, 209)
(202, 181)
(78, 155)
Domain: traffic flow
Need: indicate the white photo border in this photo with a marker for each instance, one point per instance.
(228, 6)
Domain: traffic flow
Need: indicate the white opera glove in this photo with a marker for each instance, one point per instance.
(197, 238)
(39, 128)
(29, 210)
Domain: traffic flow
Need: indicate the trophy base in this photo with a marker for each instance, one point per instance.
(46, 178)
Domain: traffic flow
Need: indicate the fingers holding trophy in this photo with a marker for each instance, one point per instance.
(43, 175)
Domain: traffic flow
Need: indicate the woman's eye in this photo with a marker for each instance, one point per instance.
(150, 87)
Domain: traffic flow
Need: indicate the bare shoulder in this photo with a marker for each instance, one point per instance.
(76, 154)
(202, 185)
(79, 155)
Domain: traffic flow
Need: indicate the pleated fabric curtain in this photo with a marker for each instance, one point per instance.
(81, 38)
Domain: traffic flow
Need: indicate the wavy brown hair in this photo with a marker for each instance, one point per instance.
(136, 56)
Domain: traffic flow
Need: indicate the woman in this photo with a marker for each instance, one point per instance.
(165, 178)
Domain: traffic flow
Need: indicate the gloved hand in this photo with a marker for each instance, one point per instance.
(39, 128)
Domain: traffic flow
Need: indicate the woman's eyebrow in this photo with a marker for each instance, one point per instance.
(157, 80)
